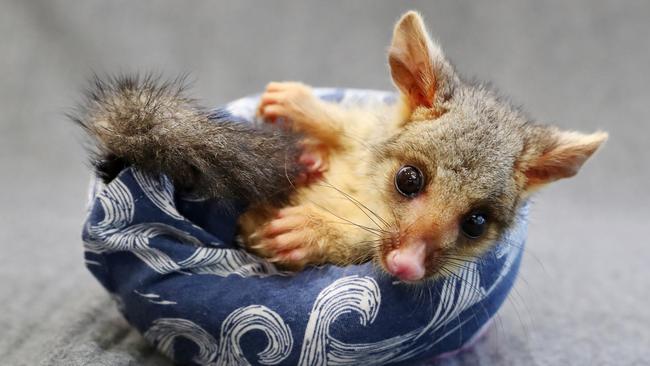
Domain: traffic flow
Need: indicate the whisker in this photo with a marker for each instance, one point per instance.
(348, 222)
(367, 228)
(357, 203)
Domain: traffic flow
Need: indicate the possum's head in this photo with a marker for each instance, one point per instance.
(460, 163)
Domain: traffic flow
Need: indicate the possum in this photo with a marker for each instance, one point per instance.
(419, 188)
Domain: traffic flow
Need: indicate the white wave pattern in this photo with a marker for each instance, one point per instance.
(507, 248)
(345, 295)
(225, 262)
(115, 232)
(159, 190)
(165, 331)
(352, 294)
(118, 206)
(254, 317)
(135, 239)
(361, 294)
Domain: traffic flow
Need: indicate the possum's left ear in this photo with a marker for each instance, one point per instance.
(418, 66)
(550, 154)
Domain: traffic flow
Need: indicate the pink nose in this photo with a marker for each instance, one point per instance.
(408, 263)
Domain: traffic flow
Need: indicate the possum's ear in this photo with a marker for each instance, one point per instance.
(550, 154)
(418, 66)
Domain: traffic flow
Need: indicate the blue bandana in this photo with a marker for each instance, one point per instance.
(172, 265)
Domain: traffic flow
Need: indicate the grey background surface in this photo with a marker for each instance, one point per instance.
(582, 297)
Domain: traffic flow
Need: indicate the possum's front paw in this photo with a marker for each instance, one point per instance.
(292, 238)
(295, 102)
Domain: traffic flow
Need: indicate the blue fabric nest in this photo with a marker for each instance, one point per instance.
(172, 265)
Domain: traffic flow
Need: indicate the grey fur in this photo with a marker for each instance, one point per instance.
(152, 124)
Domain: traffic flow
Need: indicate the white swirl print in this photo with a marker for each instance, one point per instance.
(160, 190)
(226, 262)
(164, 332)
(118, 206)
(254, 317)
(348, 294)
(226, 351)
(116, 232)
(320, 348)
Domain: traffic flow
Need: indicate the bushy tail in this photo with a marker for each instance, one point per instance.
(153, 125)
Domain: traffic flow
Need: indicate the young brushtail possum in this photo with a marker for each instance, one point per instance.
(152, 124)
(416, 188)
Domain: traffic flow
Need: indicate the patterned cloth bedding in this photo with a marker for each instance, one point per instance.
(172, 265)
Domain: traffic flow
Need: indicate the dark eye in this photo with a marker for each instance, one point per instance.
(409, 181)
(474, 225)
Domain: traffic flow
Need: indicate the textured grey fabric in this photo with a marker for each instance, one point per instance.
(582, 295)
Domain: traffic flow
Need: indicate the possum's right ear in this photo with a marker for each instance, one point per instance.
(418, 66)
